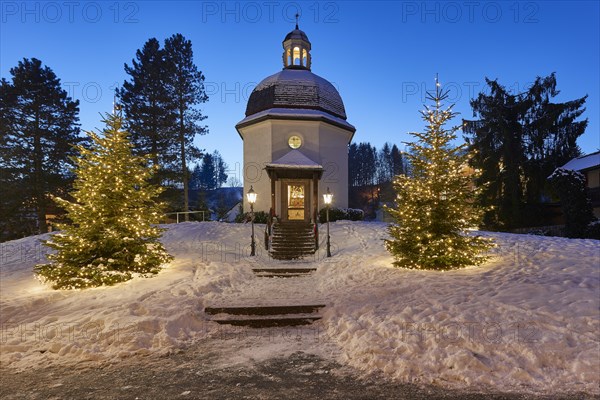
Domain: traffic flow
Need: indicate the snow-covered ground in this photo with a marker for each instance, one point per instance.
(529, 319)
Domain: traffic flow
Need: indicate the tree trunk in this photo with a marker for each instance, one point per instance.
(38, 188)
(155, 139)
(184, 170)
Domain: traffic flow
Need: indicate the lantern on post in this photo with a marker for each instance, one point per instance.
(251, 197)
(327, 199)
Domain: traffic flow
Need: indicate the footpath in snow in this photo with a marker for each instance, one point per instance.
(526, 320)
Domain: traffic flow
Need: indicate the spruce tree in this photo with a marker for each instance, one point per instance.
(385, 164)
(353, 165)
(435, 205)
(185, 87)
(576, 206)
(220, 168)
(111, 238)
(207, 173)
(38, 125)
(398, 166)
(161, 102)
(519, 139)
(149, 112)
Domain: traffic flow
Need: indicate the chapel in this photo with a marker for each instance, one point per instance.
(296, 138)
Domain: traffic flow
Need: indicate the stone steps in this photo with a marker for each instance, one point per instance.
(289, 255)
(292, 240)
(269, 322)
(265, 316)
(282, 272)
(285, 270)
(304, 243)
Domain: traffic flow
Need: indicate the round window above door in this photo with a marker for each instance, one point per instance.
(295, 142)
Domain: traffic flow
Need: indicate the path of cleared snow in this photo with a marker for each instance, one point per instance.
(526, 320)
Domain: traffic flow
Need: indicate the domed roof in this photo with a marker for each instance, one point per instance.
(296, 88)
(296, 34)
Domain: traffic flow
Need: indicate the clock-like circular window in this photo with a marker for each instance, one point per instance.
(295, 142)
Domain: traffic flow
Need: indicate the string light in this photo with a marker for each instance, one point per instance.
(435, 206)
(112, 218)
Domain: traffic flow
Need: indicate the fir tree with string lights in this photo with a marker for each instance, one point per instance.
(435, 206)
(112, 237)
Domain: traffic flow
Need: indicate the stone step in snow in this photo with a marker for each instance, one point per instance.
(283, 242)
(265, 316)
(292, 240)
(267, 321)
(264, 310)
(271, 275)
(285, 270)
(291, 253)
(282, 272)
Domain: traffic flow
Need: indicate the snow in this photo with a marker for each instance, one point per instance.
(294, 159)
(298, 89)
(233, 213)
(560, 172)
(584, 162)
(526, 320)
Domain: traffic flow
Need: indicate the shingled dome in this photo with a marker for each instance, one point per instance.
(296, 88)
(296, 34)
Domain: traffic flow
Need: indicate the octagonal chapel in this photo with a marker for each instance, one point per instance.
(296, 139)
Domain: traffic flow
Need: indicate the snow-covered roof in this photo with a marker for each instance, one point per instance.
(295, 159)
(296, 113)
(296, 88)
(584, 162)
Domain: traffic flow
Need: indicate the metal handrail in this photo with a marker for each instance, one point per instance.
(186, 212)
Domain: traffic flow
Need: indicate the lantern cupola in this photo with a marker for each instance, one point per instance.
(296, 50)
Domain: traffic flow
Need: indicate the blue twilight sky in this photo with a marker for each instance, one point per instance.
(382, 56)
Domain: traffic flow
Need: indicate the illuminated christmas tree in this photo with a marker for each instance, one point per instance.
(435, 203)
(112, 237)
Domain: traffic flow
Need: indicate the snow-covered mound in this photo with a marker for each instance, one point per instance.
(527, 319)
(158, 314)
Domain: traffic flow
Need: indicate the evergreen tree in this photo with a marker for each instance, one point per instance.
(385, 173)
(385, 164)
(185, 88)
(195, 177)
(207, 173)
(220, 168)
(576, 206)
(211, 173)
(551, 133)
(518, 140)
(111, 238)
(38, 124)
(498, 149)
(367, 159)
(353, 165)
(149, 111)
(389, 163)
(160, 102)
(398, 165)
(434, 206)
(362, 164)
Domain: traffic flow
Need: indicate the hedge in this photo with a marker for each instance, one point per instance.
(337, 214)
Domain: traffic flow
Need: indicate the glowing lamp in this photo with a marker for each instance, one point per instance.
(327, 197)
(251, 196)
